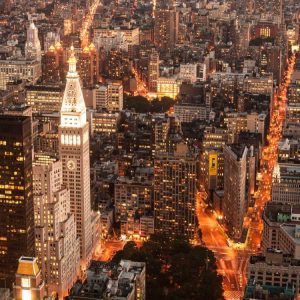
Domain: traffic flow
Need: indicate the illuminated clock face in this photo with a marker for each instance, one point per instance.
(71, 165)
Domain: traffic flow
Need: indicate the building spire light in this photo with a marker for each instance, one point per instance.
(72, 61)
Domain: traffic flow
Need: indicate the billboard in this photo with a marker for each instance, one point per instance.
(213, 164)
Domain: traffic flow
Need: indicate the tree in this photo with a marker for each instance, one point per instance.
(142, 105)
(176, 269)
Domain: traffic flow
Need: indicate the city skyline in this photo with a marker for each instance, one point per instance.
(148, 147)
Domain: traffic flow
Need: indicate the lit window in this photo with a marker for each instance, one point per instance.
(25, 282)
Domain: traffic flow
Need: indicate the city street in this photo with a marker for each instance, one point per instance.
(232, 263)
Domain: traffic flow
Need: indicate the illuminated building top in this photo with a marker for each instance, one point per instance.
(73, 110)
(28, 266)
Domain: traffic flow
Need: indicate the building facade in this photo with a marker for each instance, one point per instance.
(55, 228)
(16, 201)
(234, 203)
(75, 156)
(175, 189)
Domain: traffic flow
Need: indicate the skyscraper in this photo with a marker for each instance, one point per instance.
(166, 28)
(75, 156)
(234, 203)
(88, 66)
(33, 45)
(153, 71)
(16, 202)
(175, 189)
(55, 227)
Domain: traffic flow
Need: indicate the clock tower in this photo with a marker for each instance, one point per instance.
(74, 153)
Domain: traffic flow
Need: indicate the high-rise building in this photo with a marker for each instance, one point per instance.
(175, 189)
(53, 65)
(33, 45)
(29, 283)
(75, 156)
(234, 202)
(16, 201)
(55, 228)
(153, 71)
(166, 28)
(88, 66)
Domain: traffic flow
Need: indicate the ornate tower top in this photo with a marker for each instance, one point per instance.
(33, 45)
(73, 110)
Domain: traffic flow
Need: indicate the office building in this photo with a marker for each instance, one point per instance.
(53, 65)
(175, 189)
(115, 95)
(55, 228)
(104, 122)
(88, 66)
(44, 98)
(234, 203)
(75, 156)
(16, 201)
(19, 69)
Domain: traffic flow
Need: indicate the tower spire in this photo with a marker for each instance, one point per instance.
(72, 61)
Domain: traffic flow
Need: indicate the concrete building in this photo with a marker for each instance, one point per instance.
(212, 170)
